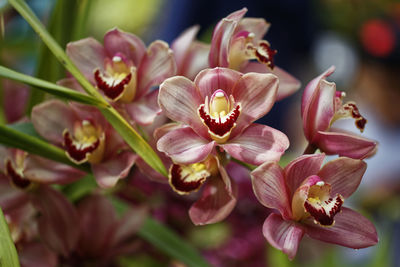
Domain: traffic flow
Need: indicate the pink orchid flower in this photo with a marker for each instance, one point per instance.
(309, 200)
(190, 55)
(321, 106)
(124, 70)
(218, 109)
(86, 137)
(237, 40)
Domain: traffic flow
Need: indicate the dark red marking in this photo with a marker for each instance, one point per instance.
(268, 60)
(320, 214)
(16, 179)
(79, 155)
(114, 91)
(355, 113)
(215, 125)
(179, 183)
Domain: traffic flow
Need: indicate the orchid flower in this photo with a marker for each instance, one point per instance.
(124, 71)
(86, 137)
(237, 40)
(218, 109)
(321, 106)
(190, 55)
(309, 200)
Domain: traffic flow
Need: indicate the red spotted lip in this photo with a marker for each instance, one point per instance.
(78, 155)
(114, 91)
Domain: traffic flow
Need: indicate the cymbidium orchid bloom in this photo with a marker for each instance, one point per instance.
(309, 200)
(86, 137)
(191, 56)
(321, 106)
(237, 40)
(218, 109)
(124, 71)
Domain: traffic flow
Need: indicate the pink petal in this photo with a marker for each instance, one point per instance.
(108, 172)
(181, 45)
(51, 118)
(215, 204)
(131, 46)
(301, 168)
(87, 54)
(258, 26)
(19, 94)
(283, 235)
(288, 84)
(58, 221)
(195, 60)
(209, 80)
(344, 175)
(46, 171)
(157, 65)
(145, 110)
(270, 189)
(351, 229)
(129, 224)
(10, 197)
(257, 93)
(97, 225)
(184, 146)
(346, 144)
(309, 91)
(258, 143)
(221, 39)
(320, 110)
(179, 99)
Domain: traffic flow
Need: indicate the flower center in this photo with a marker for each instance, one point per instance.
(185, 179)
(16, 171)
(348, 110)
(86, 143)
(321, 206)
(219, 115)
(118, 81)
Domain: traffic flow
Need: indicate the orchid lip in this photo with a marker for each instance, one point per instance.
(16, 176)
(185, 179)
(113, 88)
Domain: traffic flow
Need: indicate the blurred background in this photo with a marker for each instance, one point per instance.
(360, 37)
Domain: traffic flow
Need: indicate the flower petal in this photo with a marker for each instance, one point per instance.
(346, 144)
(59, 220)
(258, 143)
(10, 197)
(195, 60)
(257, 26)
(344, 175)
(87, 54)
(19, 94)
(351, 229)
(181, 45)
(158, 64)
(257, 93)
(283, 235)
(301, 168)
(131, 46)
(270, 188)
(179, 99)
(145, 110)
(37, 254)
(108, 172)
(288, 84)
(46, 171)
(184, 146)
(51, 118)
(209, 80)
(215, 204)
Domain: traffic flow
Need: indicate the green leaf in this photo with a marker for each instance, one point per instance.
(49, 87)
(13, 138)
(77, 190)
(8, 253)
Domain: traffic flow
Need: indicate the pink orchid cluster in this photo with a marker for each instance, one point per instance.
(196, 104)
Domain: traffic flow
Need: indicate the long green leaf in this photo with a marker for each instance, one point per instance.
(49, 87)
(14, 138)
(8, 253)
(54, 47)
(135, 141)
